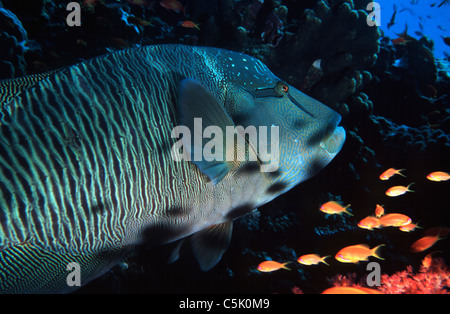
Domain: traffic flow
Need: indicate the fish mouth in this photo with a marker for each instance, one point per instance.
(333, 143)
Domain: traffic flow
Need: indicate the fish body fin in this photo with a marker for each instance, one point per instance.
(376, 251)
(175, 253)
(196, 101)
(209, 244)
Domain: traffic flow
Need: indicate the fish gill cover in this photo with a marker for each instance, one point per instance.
(390, 84)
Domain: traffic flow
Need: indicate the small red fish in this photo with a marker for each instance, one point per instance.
(390, 172)
(409, 227)
(312, 259)
(431, 91)
(438, 176)
(119, 42)
(139, 2)
(428, 260)
(90, 4)
(137, 21)
(350, 290)
(357, 253)
(394, 220)
(173, 5)
(190, 24)
(398, 190)
(369, 223)
(425, 243)
(398, 41)
(379, 211)
(81, 42)
(269, 266)
(442, 231)
(333, 207)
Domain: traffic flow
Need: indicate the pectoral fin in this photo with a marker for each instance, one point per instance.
(175, 252)
(196, 101)
(209, 244)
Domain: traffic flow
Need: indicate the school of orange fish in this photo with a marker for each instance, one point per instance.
(362, 252)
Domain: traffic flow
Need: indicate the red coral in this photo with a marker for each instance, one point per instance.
(428, 280)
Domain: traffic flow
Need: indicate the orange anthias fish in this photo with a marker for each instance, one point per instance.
(350, 290)
(139, 2)
(398, 190)
(269, 266)
(439, 231)
(394, 220)
(357, 253)
(428, 259)
(333, 207)
(379, 211)
(390, 172)
(399, 40)
(137, 21)
(369, 223)
(190, 24)
(424, 243)
(409, 227)
(438, 176)
(90, 4)
(173, 5)
(312, 259)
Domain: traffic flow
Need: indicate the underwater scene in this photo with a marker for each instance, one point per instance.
(225, 147)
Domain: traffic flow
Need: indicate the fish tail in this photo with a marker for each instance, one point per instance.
(346, 211)
(284, 265)
(409, 186)
(376, 251)
(323, 260)
(400, 172)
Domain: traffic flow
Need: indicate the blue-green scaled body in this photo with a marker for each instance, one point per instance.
(86, 169)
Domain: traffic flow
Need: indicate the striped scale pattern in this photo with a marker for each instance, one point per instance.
(85, 163)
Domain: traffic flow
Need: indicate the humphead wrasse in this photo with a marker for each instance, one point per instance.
(88, 163)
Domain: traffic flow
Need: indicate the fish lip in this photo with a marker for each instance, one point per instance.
(333, 143)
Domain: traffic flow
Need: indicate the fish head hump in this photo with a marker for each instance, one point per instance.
(309, 135)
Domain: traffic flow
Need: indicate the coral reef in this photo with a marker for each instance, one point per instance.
(13, 40)
(434, 279)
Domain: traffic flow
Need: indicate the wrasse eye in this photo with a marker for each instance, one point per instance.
(282, 88)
